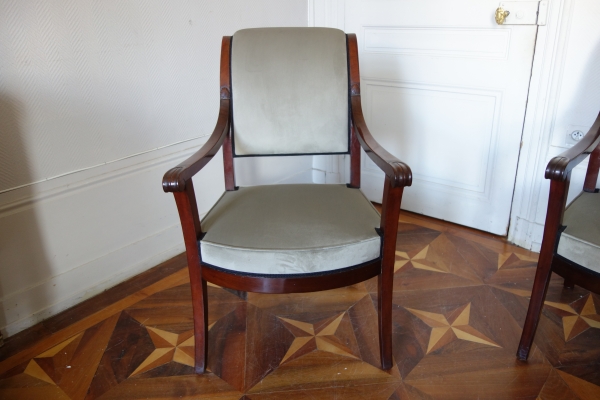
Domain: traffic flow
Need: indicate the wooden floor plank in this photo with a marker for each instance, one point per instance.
(26, 338)
(459, 302)
(53, 339)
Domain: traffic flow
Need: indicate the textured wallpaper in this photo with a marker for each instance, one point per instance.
(87, 82)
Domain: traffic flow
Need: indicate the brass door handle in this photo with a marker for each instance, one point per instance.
(501, 15)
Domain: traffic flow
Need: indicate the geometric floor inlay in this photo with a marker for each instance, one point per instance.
(169, 347)
(449, 327)
(577, 317)
(459, 302)
(309, 337)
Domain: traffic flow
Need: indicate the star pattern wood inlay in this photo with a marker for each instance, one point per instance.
(514, 258)
(318, 336)
(417, 261)
(576, 322)
(449, 327)
(459, 302)
(169, 347)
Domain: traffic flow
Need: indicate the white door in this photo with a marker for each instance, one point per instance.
(444, 88)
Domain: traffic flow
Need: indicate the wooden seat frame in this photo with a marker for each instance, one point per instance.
(178, 180)
(559, 172)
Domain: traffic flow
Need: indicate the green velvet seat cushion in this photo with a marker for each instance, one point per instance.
(290, 229)
(580, 241)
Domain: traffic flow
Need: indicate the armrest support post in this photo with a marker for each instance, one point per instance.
(354, 158)
(591, 176)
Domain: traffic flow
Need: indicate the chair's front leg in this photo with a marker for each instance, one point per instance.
(190, 224)
(556, 205)
(389, 226)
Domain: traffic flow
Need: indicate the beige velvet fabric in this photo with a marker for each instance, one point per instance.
(289, 91)
(290, 229)
(580, 241)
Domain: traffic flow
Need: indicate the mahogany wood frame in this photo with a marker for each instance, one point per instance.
(559, 172)
(178, 180)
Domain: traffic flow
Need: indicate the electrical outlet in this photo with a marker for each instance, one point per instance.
(574, 134)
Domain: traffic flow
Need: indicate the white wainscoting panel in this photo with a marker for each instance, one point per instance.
(408, 117)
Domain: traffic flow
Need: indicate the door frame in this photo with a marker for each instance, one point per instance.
(539, 117)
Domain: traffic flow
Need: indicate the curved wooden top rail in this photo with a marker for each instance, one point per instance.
(175, 178)
(559, 167)
(397, 171)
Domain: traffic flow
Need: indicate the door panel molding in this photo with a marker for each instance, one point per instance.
(531, 189)
(438, 41)
(475, 182)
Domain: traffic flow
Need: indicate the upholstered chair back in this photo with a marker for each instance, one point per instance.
(289, 91)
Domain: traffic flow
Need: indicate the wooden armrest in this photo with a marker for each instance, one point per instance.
(399, 173)
(559, 167)
(175, 178)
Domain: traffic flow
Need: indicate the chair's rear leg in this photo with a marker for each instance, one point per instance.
(200, 309)
(536, 303)
(384, 308)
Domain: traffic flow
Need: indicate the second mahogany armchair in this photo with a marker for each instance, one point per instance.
(290, 91)
(571, 241)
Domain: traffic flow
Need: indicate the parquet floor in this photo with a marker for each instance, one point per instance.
(460, 299)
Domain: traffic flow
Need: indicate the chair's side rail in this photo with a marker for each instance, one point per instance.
(397, 171)
(560, 166)
(175, 179)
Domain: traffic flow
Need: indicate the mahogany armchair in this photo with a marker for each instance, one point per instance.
(289, 91)
(571, 241)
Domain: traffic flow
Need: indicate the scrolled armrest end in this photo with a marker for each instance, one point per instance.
(557, 169)
(402, 174)
(173, 181)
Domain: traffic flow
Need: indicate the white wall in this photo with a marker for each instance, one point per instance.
(97, 100)
(564, 96)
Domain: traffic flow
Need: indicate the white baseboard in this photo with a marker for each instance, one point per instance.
(527, 234)
(88, 280)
